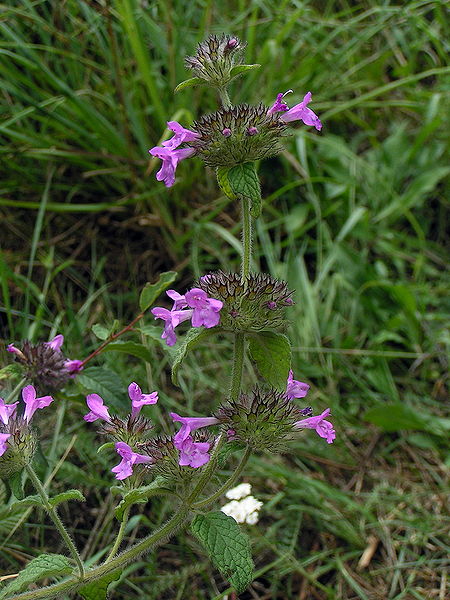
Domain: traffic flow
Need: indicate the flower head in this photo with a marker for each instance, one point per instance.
(56, 342)
(32, 402)
(190, 424)
(3, 439)
(245, 510)
(205, 310)
(129, 458)
(193, 454)
(170, 157)
(97, 409)
(239, 492)
(295, 389)
(215, 57)
(323, 428)
(172, 318)
(73, 366)
(279, 105)
(181, 135)
(303, 113)
(138, 399)
(6, 411)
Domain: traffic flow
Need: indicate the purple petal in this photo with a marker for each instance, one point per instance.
(33, 403)
(6, 411)
(3, 439)
(56, 342)
(98, 409)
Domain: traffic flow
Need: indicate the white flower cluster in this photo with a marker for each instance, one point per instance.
(243, 507)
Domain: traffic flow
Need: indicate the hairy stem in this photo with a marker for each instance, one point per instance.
(246, 238)
(53, 514)
(123, 524)
(224, 98)
(238, 364)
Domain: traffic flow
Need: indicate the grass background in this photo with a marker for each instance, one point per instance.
(354, 218)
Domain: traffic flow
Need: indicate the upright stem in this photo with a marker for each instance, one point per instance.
(238, 364)
(224, 98)
(55, 518)
(12, 395)
(246, 238)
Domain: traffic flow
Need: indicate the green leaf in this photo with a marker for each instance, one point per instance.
(100, 331)
(224, 183)
(66, 496)
(25, 503)
(105, 446)
(394, 417)
(15, 482)
(272, 354)
(244, 181)
(98, 590)
(152, 290)
(227, 546)
(193, 338)
(189, 83)
(239, 69)
(45, 565)
(104, 382)
(140, 495)
(133, 348)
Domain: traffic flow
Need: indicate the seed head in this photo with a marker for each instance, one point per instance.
(258, 304)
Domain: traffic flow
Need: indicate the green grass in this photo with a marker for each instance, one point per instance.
(354, 219)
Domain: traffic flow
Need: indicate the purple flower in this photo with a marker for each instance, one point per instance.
(206, 310)
(303, 113)
(129, 458)
(3, 439)
(252, 131)
(73, 366)
(170, 157)
(322, 427)
(33, 403)
(295, 389)
(172, 318)
(11, 348)
(226, 132)
(179, 301)
(138, 399)
(193, 454)
(98, 409)
(279, 105)
(56, 342)
(190, 424)
(181, 135)
(6, 411)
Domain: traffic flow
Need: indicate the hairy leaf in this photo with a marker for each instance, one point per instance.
(66, 496)
(45, 565)
(133, 348)
(189, 83)
(239, 69)
(193, 338)
(151, 291)
(104, 382)
(244, 181)
(272, 354)
(98, 590)
(140, 495)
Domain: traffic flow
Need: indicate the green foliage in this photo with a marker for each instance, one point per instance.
(130, 348)
(240, 69)
(244, 181)
(272, 354)
(98, 590)
(105, 383)
(45, 565)
(192, 81)
(140, 495)
(227, 546)
(151, 291)
(66, 496)
(193, 338)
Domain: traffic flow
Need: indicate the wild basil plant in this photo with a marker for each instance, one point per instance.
(250, 308)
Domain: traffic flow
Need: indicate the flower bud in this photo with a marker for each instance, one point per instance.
(45, 366)
(131, 430)
(21, 448)
(257, 305)
(214, 59)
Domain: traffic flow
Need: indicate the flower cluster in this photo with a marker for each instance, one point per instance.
(244, 508)
(299, 112)
(215, 58)
(195, 305)
(45, 364)
(194, 454)
(17, 440)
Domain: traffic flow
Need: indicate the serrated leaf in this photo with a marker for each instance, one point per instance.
(193, 338)
(239, 69)
(151, 291)
(98, 590)
(139, 495)
(224, 183)
(105, 383)
(100, 331)
(244, 181)
(133, 348)
(189, 83)
(45, 565)
(394, 417)
(15, 482)
(271, 352)
(66, 496)
(227, 546)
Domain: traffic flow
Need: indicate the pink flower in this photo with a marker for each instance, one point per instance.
(206, 310)
(14, 350)
(6, 411)
(181, 135)
(172, 318)
(98, 409)
(190, 424)
(170, 157)
(73, 366)
(295, 389)
(279, 105)
(138, 399)
(56, 342)
(33, 403)
(303, 113)
(193, 454)
(3, 439)
(179, 301)
(323, 428)
(129, 458)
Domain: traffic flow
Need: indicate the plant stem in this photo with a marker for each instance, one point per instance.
(246, 238)
(224, 98)
(53, 514)
(228, 483)
(238, 363)
(15, 390)
(120, 535)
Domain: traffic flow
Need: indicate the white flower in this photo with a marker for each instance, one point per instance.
(240, 491)
(243, 511)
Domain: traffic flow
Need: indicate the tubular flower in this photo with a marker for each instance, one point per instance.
(33, 403)
(205, 310)
(181, 135)
(138, 399)
(6, 411)
(170, 157)
(98, 409)
(129, 458)
(3, 439)
(323, 428)
(190, 424)
(303, 113)
(56, 342)
(193, 454)
(279, 105)
(295, 389)
(172, 318)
